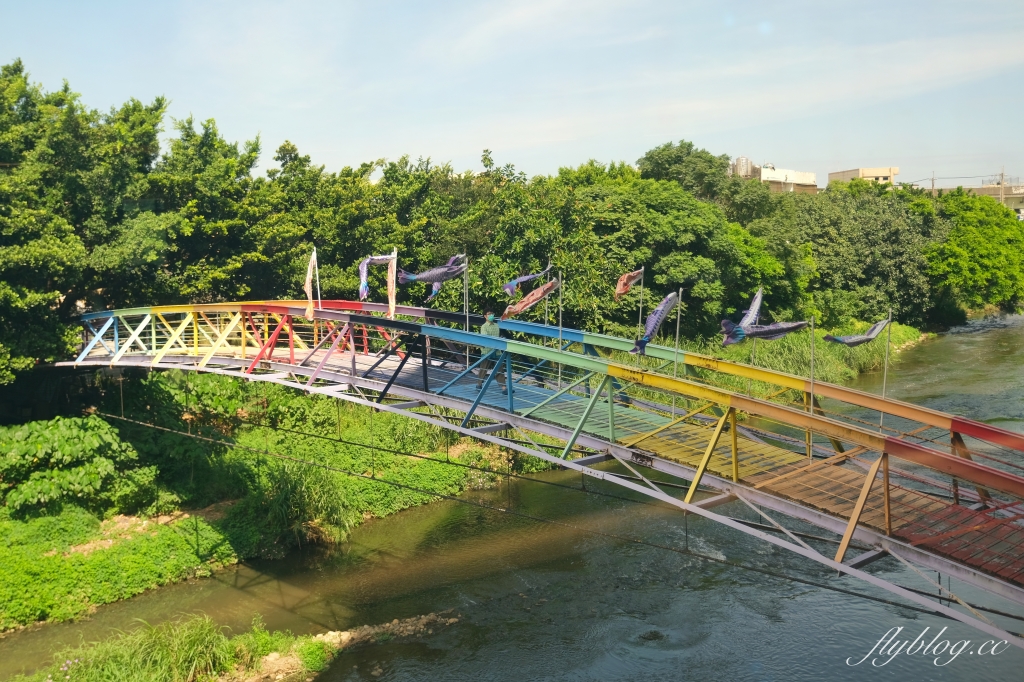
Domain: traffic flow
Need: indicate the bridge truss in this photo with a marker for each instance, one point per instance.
(933, 490)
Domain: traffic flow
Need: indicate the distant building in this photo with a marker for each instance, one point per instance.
(887, 174)
(786, 180)
(1009, 195)
(743, 167)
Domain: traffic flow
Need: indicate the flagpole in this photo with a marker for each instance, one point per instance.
(885, 370)
(640, 317)
(559, 328)
(465, 302)
(675, 363)
(810, 397)
(319, 302)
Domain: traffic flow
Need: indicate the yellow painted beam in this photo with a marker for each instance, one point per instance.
(174, 337)
(221, 339)
(707, 457)
(644, 436)
(857, 509)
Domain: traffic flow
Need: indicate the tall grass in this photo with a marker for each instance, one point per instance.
(185, 650)
(833, 362)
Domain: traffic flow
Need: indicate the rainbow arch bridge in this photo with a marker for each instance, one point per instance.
(934, 490)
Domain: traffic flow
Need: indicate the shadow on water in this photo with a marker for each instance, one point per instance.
(542, 601)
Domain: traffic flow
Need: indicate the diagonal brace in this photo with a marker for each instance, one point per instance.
(858, 508)
(594, 400)
(96, 336)
(483, 389)
(712, 444)
(222, 338)
(134, 338)
(466, 371)
(174, 338)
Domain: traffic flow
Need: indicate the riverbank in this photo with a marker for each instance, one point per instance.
(195, 648)
(76, 536)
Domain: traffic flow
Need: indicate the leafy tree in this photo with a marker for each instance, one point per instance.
(981, 262)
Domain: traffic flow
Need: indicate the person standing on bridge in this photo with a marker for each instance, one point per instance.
(490, 328)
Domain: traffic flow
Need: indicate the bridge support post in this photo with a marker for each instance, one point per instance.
(858, 508)
(735, 447)
(398, 371)
(611, 411)
(885, 482)
(960, 450)
(594, 399)
(508, 383)
(702, 467)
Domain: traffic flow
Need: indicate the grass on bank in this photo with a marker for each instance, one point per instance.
(185, 650)
(71, 547)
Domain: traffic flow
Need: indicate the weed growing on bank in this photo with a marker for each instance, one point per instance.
(194, 648)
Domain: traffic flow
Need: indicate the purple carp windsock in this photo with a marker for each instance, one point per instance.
(530, 300)
(734, 333)
(654, 321)
(626, 282)
(857, 339)
(436, 286)
(510, 287)
(436, 276)
(364, 265)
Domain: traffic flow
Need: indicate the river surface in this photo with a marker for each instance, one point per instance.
(552, 601)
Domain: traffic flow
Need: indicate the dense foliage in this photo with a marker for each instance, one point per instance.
(65, 545)
(82, 461)
(92, 215)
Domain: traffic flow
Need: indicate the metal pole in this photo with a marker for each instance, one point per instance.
(559, 327)
(885, 369)
(640, 317)
(812, 362)
(319, 301)
(810, 401)
(675, 362)
(465, 302)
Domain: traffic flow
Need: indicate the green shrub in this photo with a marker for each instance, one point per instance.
(81, 460)
(314, 654)
(253, 645)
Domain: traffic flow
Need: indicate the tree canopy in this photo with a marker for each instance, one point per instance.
(94, 215)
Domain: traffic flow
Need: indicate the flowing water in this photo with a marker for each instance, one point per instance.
(547, 601)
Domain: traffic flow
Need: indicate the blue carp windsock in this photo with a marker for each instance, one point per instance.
(436, 286)
(364, 286)
(654, 321)
(510, 287)
(734, 333)
(857, 339)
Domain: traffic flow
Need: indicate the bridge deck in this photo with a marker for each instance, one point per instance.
(976, 538)
(922, 507)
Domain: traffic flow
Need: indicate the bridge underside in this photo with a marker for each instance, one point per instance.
(508, 397)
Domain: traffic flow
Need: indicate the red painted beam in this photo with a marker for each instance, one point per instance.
(269, 345)
(990, 434)
(964, 469)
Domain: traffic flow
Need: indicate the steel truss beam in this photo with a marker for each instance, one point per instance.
(726, 487)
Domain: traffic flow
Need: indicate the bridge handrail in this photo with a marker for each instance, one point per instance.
(954, 466)
(898, 408)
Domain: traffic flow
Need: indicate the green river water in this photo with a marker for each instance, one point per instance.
(540, 601)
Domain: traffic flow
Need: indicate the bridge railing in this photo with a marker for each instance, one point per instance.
(259, 332)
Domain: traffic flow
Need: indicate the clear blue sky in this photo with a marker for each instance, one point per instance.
(926, 86)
